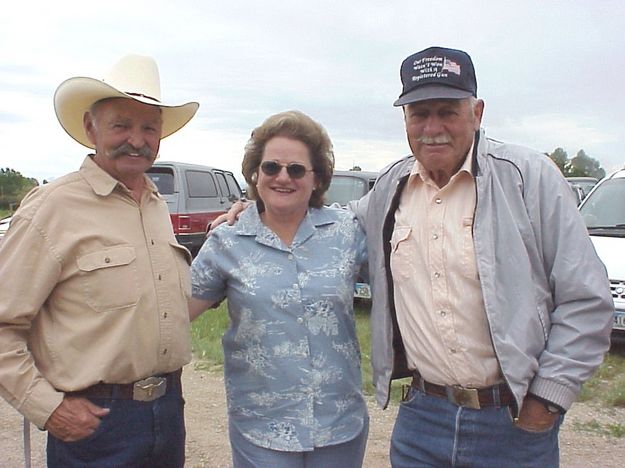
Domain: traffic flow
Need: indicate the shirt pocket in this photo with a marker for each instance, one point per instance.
(402, 254)
(109, 278)
(182, 259)
(469, 266)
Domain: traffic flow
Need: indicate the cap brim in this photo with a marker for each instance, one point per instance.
(434, 91)
(75, 96)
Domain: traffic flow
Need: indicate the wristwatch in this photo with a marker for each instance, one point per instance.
(553, 409)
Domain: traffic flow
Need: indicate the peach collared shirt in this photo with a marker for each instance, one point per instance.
(440, 309)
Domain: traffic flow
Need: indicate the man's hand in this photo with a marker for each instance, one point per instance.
(535, 417)
(231, 215)
(74, 419)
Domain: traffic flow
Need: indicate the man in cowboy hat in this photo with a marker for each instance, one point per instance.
(94, 327)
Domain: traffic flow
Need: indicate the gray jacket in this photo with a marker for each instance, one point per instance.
(546, 293)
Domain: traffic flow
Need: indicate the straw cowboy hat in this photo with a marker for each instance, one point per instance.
(133, 77)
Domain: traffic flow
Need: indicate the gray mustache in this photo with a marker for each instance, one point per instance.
(437, 140)
(127, 148)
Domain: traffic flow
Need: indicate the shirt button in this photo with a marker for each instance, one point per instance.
(452, 351)
(443, 313)
(107, 260)
(290, 257)
(300, 320)
(438, 201)
(434, 236)
(165, 351)
(437, 275)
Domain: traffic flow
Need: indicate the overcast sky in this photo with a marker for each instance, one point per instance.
(551, 73)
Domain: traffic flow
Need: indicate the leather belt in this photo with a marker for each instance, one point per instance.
(148, 389)
(475, 398)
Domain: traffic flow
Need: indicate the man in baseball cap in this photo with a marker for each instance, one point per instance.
(94, 326)
(472, 251)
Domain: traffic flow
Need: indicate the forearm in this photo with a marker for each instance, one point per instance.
(578, 339)
(198, 306)
(23, 386)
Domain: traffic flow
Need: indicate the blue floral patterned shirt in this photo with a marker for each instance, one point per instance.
(292, 360)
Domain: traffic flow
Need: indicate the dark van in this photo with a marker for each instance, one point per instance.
(195, 196)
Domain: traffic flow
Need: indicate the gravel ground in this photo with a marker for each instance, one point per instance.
(207, 437)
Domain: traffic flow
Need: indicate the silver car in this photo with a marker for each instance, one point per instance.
(603, 210)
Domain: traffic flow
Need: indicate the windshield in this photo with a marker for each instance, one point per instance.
(344, 189)
(606, 205)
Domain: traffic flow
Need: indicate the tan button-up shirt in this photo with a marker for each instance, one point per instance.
(438, 298)
(93, 288)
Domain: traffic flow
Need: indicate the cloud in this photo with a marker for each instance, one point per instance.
(548, 71)
(546, 132)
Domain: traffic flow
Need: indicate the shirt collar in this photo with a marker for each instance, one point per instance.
(419, 171)
(250, 224)
(101, 182)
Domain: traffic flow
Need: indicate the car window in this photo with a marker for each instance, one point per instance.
(163, 178)
(233, 185)
(344, 189)
(586, 186)
(201, 184)
(221, 180)
(606, 205)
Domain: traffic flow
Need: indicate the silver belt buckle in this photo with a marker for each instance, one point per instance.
(461, 396)
(149, 389)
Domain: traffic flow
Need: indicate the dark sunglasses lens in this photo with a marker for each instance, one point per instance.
(270, 168)
(296, 171)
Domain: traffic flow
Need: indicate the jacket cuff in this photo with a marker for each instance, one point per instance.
(553, 392)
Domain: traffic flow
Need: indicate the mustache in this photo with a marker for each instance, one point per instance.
(127, 148)
(435, 140)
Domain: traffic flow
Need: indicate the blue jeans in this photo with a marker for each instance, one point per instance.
(349, 454)
(431, 431)
(134, 434)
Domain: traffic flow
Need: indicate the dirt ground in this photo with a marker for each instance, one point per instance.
(207, 433)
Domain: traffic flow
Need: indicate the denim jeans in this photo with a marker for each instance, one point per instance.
(431, 431)
(349, 454)
(134, 434)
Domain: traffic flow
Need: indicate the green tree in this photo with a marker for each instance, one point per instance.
(583, 165)
(13, 187)
(560, 157)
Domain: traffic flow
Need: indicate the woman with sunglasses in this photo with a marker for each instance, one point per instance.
(287, 269)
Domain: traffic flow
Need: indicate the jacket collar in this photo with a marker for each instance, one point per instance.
(479, 150)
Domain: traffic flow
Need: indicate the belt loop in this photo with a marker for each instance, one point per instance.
(496, 396)
(421, 383)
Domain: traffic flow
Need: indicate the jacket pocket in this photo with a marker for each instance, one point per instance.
(183, 259)
(109, 278)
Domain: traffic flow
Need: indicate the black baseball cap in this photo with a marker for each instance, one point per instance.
(437, 73)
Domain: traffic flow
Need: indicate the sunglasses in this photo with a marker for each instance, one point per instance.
(294, 170)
